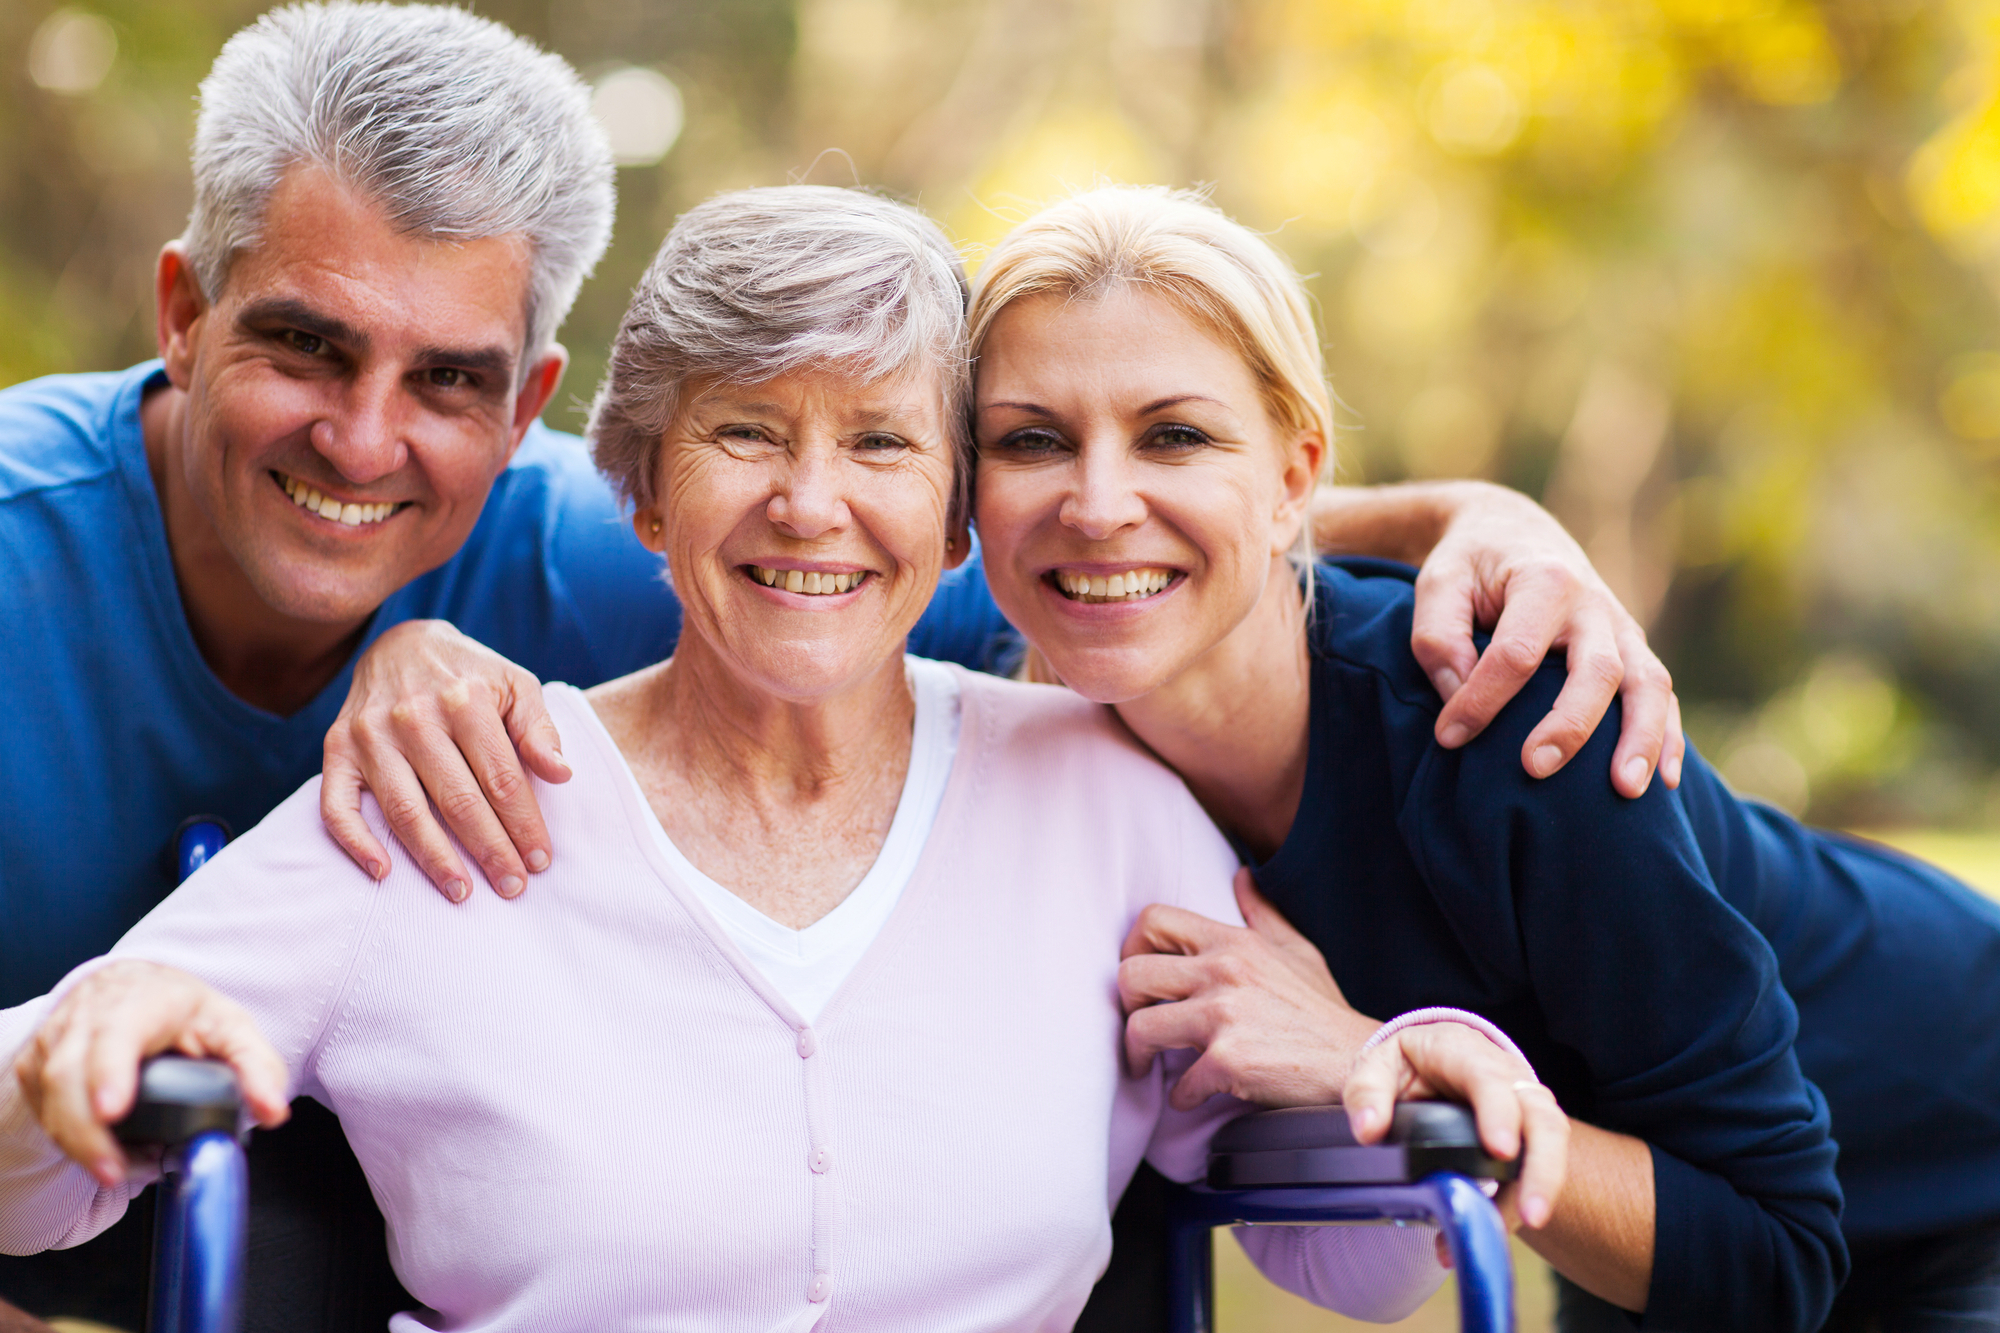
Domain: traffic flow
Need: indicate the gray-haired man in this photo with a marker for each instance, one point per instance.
(394, 208)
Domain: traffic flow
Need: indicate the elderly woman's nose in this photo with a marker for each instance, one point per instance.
(809, 499)
(1103, 497)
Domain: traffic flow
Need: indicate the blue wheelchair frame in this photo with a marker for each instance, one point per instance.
(1453, 1203)
(205, 1194)
(200, 1221)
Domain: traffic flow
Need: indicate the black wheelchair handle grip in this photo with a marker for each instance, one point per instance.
(179, 1098)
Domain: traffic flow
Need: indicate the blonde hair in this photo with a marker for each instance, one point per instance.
(1177, 245)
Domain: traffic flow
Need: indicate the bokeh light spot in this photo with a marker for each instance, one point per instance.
(71, 52)
(1471, 108)
(641, 112)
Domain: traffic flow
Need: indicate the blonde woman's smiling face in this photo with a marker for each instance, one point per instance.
(1135, 495)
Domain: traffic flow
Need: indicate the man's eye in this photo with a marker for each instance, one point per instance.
(306, 344)
(447, 377)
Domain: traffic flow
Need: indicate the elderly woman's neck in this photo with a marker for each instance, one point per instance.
(784, 802)
(1234, 723)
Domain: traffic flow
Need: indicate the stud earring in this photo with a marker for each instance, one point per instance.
(656, 527)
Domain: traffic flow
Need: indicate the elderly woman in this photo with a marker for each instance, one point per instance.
(816, 1019)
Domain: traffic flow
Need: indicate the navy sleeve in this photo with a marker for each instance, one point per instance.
(1604, 910)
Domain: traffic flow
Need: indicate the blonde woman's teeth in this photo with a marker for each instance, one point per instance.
(812, 583)
(353, 515)
(1134, 585)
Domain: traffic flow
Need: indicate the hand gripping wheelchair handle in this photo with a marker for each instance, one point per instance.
(1302, 1165)
(189, 1109)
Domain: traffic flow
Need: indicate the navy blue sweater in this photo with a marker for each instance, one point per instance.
(1593, 929)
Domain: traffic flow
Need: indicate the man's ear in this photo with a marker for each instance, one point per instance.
(538, 388)
(182, 307)
(1297, 483)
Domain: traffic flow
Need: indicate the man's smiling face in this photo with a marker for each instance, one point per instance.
(351, 395)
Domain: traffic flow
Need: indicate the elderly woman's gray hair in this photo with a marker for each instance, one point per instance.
(459, 128)
(767, 282)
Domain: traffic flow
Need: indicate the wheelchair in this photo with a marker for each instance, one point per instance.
(1299, 1166)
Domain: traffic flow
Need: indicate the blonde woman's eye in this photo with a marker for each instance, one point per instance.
(1029, 442)
(1179, 437)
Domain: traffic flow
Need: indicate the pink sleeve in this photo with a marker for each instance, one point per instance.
(274, 922)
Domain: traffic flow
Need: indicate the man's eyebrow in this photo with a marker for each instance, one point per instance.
(497, 361)
(297, 314)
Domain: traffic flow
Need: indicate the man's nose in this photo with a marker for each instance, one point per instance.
(1103, 499)
(363, 436)
(809, 500)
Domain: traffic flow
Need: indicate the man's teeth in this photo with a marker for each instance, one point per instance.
(812, 583)
(1134, 585)
(353, 515)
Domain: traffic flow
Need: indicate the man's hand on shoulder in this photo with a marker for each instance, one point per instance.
(436, 719)
(1494, 559)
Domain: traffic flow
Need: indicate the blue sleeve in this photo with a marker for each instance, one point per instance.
(963, 625)
(1669, 999)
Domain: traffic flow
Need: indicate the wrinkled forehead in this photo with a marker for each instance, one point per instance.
(844, 397)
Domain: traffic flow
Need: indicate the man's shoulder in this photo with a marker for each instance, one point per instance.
(61, 429)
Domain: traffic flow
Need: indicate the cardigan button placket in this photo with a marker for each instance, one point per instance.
(806, 1044)
(821, 1288)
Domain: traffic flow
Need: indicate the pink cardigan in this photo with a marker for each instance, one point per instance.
(582, 1110)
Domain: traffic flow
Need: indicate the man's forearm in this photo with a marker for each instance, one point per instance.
(1601, 1233)
(1399, 522)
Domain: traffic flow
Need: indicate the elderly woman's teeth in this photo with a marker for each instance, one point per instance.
(353, 515)
(811, 583)
(1134, 585)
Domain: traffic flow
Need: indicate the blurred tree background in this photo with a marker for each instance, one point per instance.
(1713, 278)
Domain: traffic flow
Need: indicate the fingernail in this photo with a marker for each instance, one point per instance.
(538, 860)
(1544, 761)
(1364, 1119)
(456, 890)
(1670, 769)
(511, 886)
(376, 870)
(1636, 774)
(1455, 735)
(1446, 682)
(1535, 1211)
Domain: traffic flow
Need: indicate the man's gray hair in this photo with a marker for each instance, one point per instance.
(456, 126)
(765, 282)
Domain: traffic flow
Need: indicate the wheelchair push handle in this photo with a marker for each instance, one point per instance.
(180, 1098)
(191, 1109)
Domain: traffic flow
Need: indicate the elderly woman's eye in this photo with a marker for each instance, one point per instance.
(880, 443)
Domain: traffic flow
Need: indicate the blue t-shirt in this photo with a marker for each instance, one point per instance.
(120, 731)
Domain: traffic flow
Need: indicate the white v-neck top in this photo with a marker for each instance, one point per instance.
(585, 1109)
(807, 966)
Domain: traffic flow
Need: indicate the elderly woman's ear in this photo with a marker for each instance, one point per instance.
(651, 529)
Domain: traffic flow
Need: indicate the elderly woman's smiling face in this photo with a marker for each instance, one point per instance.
(805, 520)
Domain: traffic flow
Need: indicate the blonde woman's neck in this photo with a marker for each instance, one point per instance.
(1234, 723)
